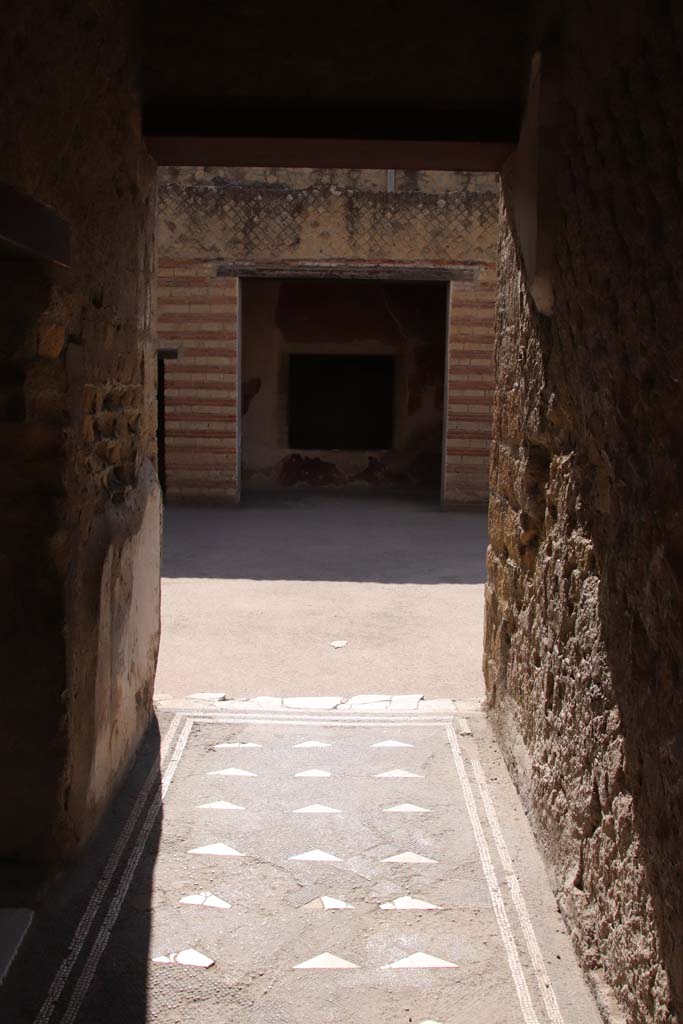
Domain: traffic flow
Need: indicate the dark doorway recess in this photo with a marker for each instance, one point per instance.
(162, 355)
(341, 401)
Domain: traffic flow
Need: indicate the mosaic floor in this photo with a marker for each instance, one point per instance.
(322, 867)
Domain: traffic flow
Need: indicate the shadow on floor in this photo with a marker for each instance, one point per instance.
(86, 957)
(327, 537)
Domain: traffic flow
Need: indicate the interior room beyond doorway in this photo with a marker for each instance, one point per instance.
(342, 384)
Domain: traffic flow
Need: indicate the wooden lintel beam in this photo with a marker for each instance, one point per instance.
(30, 230)
(364, 154)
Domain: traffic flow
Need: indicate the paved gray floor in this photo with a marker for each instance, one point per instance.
(489, 965)
(252, 598)
(244, 828)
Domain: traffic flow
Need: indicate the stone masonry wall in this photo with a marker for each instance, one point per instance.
(584, 646)
(80, 509)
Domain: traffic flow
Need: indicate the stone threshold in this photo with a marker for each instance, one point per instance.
(363, 702)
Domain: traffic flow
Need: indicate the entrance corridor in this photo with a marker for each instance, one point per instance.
(348, 849)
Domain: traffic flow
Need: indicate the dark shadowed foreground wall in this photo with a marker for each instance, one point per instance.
(584, 646)
(80, 512)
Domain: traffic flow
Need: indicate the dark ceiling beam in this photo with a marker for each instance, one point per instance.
(30, 230)
(364, 154)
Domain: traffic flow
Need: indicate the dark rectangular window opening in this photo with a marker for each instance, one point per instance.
(340, 401)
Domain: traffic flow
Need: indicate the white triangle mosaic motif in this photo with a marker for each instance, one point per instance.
(327, 903)
(186, 958)
(313, 773)
(314, 855)
(220, 805)
(408, 858)
(409, 903)
(206, 899)
(326, 961)
(398, 773)
(217, 850)
(406, 809)
(232, 771)
(232, 746)
(393, 743)
(317, 809)
(418, 960)
(309, 743)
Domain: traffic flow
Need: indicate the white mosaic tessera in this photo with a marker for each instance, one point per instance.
(186, 958)
(206, 899)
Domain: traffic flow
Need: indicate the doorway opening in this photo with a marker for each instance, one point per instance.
(162, 355)
(343, 384)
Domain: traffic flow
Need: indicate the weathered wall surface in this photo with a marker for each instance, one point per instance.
(326, 217)
(584, 648)
(219, 223)
(403, 320)
(80, 504)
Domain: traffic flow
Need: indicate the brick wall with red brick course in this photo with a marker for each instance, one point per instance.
(198, 315)
(469, 389)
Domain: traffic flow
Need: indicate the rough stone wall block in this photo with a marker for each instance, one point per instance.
(583, 647)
